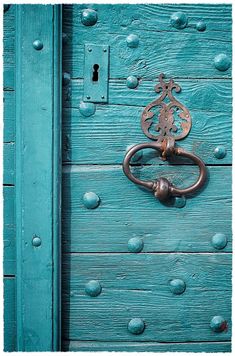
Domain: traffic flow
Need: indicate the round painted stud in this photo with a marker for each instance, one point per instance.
(136, 326)
(38, 45)
(179, 20)
(179, 202)
(201, 26)
(93, 288)
(137, 156)
(91, 200)
(132, 41)
(132, 82)
(36, 241)
(220, 152)
(222, 62)
(135, 245)
(219, 241)
(218, 323)
(87, 109)
(177, 286)
(89, 17)
(66, 78)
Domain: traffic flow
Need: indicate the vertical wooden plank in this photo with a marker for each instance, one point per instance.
(37, 176)
(9, 314)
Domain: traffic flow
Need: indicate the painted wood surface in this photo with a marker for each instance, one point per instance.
(126, 211)
(37, 180)
(9, 230)
(147, 346)
(138, 287)
(159, 50)
(9, 314)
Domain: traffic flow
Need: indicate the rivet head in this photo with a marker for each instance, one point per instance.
(36, 241)
(132, 82)
(136, 326)
(177, 286)
(222, 62)
(93, 288)
(220, 152)
(66, 78)
(218, 323)
(201, 26)
(132, 41)
(91, 200)
(38, 45)
(137, 156)
(179, 20)
(89, 17)
(219, 241)
(135, 244)
(87, 109)
(179, 202)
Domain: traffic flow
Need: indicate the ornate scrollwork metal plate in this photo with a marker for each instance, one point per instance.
(174, 119)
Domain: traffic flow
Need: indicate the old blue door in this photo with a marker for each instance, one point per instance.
(137, 274)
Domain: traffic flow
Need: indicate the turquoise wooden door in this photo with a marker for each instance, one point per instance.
(138, 275)
(135, 274)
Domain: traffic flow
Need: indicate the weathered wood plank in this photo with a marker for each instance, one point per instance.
(9, 230)
(100, 140)
(185, 49)
(138, 286)
(146, 346)
(9, 315)
(9, 48)
(9, 116)
(9, 163)
(126, 211)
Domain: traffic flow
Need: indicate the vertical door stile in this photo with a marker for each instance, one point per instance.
(38, 161)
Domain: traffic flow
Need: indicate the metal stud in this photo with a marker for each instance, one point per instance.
(93, 288)
(201, 26)
(91, 200)
(87, 109)
(220, 152)
(219, 241)
(222, 62)
(177, 286)
(132, 82)
(179, 20)
(36, 241)
(136, 326)
(38, 45)
(66, 78)
(132, 41)
(179, 202)
(89, 17)
(218, 323)
(135, 244)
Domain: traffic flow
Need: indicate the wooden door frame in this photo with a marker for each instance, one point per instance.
(38, 176)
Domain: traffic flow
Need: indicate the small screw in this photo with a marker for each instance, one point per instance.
(105, 50)
(88, 97)
(89, 50)
(102, 97)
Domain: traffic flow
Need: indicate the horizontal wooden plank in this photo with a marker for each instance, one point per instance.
(97, 140)
(9, 230)
(9, 163)
(9, 315)
(146, 346)
(126, 211)
(138, 286)
(179, 54)
(9, 116)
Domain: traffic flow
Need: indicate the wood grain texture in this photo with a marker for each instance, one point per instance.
(9, 231)
(9, 48)
(146, 346)
(9, 116)
(137, 286)
(9, 315)
(192, 49)
(127, 211)
(9, 163)
(107, 134)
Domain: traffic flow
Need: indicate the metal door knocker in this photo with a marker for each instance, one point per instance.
(165, 133)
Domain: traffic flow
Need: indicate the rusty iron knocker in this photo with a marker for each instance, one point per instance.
(165, 141)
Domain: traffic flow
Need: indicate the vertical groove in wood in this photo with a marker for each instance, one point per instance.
(38, 177)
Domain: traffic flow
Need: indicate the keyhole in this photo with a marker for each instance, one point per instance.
(95, 77)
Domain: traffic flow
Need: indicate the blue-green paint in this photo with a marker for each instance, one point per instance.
(132, 82)
(135, 244)
(201, 26)
(91, 200)
(218, 323)
(89, 17)
(220, 152)
(136, 326)
(179, 20)
(93, 288)
(219, 241)
(132, 40)
(87, 109)
(222, 62)
(177, 286)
